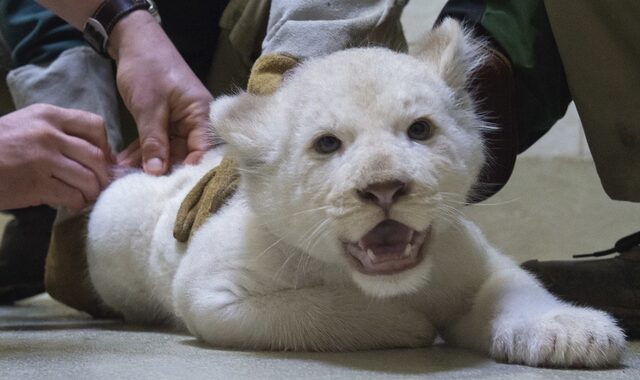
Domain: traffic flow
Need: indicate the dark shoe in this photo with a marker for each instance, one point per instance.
(611, 284)
(23, 251)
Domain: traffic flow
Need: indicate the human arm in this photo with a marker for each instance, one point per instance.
(74, 12)
(51, 155)
(159, 89)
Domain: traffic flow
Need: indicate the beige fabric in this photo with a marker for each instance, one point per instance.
(205, 199)
(599, 42)
(267, 72)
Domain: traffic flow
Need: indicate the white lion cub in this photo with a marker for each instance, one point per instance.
(345, 232)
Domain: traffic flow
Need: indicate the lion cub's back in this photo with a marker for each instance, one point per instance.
(131, 252)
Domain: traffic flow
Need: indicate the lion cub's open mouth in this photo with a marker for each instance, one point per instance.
(390, 247)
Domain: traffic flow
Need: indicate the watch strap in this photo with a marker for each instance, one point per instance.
(99, 26)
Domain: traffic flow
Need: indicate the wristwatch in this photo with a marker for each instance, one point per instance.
(100, 24)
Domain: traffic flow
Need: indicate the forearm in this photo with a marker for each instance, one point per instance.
(75, 12)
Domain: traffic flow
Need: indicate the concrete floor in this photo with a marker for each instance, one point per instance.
(39, 340)
(552, 208)
(44, 341)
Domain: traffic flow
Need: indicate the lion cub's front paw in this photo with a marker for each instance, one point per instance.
(571, 337)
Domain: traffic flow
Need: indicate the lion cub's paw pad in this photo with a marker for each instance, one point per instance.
(574, 337)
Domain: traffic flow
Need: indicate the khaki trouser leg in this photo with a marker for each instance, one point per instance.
(599, 43)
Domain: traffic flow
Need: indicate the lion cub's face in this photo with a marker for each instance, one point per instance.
(361, 156)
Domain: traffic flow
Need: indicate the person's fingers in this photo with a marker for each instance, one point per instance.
(199, 142)
(85, 125)
(194, 158)
(179, 149)
(131, 156)
(89, 156)
(134, 160)
(132, 147)
(160, 91)
(154, 142)
(197, 145)
(61, 194)
(75, 175)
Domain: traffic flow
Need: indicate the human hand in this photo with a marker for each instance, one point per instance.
(168, 102)
(52, 155)
(131, 156)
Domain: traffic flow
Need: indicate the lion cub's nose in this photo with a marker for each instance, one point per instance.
(384, 194)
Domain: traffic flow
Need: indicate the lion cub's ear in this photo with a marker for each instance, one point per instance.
(452, 52)
(242, 122)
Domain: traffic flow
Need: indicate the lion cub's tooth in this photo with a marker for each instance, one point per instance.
(370, 254)
(407, 250)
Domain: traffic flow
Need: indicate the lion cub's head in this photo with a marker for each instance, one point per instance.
(361, 156)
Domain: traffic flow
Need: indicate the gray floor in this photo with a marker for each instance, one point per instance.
(552, 208)
(44, 341)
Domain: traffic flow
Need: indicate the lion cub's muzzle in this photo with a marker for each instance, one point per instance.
(390, 247)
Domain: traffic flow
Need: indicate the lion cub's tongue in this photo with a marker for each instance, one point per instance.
(387, 241)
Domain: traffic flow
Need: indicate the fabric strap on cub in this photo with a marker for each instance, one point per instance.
(207, 196)
(267, 71)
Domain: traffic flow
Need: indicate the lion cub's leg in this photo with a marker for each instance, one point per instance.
(232, 309)
(517, 321)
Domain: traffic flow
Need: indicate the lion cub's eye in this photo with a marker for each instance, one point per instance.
(327, 144)
(421, 129)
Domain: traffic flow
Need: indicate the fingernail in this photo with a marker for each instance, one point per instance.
(153, 165)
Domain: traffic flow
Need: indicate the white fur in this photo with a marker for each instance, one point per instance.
(269, 271)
